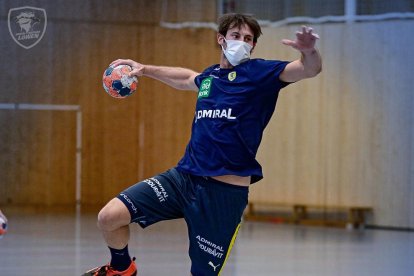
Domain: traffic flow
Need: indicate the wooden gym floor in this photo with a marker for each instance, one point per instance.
(45, 243)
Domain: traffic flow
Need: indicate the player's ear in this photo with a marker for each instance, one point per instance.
(220, 39)
(254, 46)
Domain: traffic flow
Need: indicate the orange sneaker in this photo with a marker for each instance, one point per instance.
(106, 270)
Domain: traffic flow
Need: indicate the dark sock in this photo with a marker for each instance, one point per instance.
(120, 259)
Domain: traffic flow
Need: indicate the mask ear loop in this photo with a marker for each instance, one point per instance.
(224, 42)
(222, 45)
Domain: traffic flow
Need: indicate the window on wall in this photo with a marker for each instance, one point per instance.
(203, 13)
(365, 7)
(275, 10)
(292, 11)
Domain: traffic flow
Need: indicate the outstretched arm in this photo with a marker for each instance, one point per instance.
(310, 62)
(177, 77)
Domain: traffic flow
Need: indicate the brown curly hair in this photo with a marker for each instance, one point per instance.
(231, 20)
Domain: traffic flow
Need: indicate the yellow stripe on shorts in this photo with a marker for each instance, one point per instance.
(233, 239)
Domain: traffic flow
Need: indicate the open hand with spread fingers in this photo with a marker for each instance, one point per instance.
(305, 40)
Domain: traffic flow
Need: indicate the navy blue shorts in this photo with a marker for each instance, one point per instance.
(212, 210)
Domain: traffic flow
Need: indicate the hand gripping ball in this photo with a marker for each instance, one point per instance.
(118, 83)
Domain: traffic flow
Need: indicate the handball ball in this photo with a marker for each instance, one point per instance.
(3, 227)
(117, 83)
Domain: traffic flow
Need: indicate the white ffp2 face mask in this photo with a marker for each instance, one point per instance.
(237, 51)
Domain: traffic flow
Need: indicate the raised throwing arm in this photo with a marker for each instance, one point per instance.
(176, 77)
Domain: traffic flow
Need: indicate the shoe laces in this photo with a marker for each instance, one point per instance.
(102, 270)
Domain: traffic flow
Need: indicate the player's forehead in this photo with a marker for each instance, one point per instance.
(243, 29)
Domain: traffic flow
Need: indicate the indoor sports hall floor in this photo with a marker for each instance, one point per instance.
(45, 243)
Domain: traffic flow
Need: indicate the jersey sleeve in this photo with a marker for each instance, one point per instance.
(268, 73)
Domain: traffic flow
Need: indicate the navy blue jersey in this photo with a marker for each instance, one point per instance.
(233, 108)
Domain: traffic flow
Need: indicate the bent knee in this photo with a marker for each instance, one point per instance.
(113, 216)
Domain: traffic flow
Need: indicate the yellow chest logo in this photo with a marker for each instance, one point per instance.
(232, 76)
